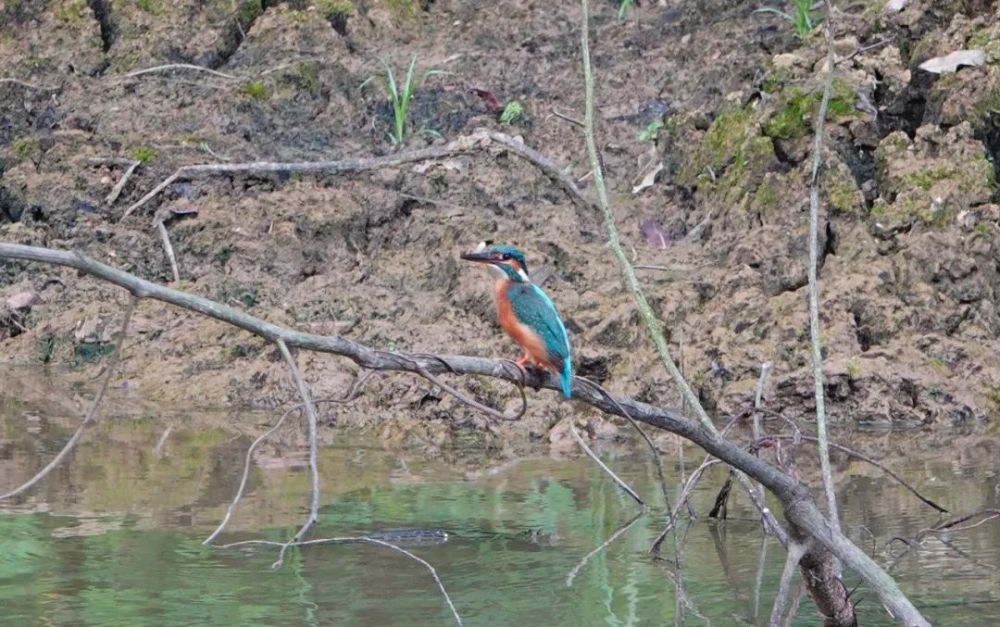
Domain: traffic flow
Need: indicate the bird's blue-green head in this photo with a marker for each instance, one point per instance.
(507, 261)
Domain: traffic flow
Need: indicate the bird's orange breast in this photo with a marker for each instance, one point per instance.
(521, 333)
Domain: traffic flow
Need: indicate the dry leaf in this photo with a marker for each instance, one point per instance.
(655, 234)
(950, 62)
(649, 179)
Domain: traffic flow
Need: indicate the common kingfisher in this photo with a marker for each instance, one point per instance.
(527, 313)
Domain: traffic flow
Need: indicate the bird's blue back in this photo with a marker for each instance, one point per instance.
(534, 308)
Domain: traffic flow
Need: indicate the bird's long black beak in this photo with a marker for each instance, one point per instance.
(481, 257)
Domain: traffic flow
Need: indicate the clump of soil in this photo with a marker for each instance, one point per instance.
(911, 221)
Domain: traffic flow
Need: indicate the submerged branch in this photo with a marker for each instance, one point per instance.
(360, 540)
(91, 411)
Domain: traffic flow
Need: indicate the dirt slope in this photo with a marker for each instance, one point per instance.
(911, 251)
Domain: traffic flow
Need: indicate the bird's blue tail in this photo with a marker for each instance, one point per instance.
(567, 379)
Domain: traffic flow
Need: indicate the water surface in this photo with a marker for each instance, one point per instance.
(114, 536)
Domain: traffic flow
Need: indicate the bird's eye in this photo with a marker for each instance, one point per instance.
(505, 257)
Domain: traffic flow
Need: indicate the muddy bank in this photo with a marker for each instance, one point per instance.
(911, 254)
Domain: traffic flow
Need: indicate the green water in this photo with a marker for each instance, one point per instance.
(114, 536)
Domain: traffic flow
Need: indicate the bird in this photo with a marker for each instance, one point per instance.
(526, 312)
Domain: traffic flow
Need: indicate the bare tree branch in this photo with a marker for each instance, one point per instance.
(795, 552)
(864, 458)
(91, 411)
(461, 145)
(313, 421)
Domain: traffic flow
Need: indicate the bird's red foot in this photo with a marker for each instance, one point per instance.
(523, 361)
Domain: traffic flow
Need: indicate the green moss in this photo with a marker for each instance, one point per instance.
(853, 369)
(938, 364)
(795, 118)
(982, 228)
(722, 140)
(991, 391)
(766, 198)
(841, 191)
(335, 9)
(26, 149)
(257, 90)
(306, 76)
(71, 11)
(989, 42)
(143, 154)
(406, 8)
(154, 7)
(792, 120)
(249, 11)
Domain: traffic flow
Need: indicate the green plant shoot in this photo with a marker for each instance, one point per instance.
(652, 129)
(801, 18)
(399, 96)
(512, 112)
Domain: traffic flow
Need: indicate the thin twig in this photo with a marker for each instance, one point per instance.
(570, 119)
(571, 576)
(17, 81)
(759, 579)
(618, 480)
(471, 402)
(313, 421)
(765, 371)
(364, 540)
(460, 145)
(109, 372)
(795, 552)
(246, 474)
(179, 66)
(120, 185)
(864, 49)
(161, 229)
(653, 451)
(815, 337)
(681, 500)
(864, 458)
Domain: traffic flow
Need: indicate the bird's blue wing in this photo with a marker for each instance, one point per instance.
(534, 308)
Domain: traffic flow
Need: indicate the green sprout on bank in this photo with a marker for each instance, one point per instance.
(801, 18)
(399, 96)
(652, 130)
(257, 90)
(512, 112)
(623, 8)
(143, 154)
